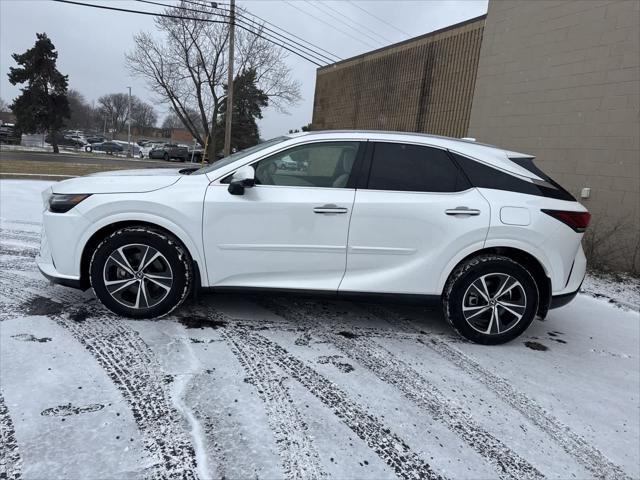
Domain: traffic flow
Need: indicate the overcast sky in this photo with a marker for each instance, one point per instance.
(91, 43)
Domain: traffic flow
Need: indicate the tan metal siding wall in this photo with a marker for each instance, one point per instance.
(560, 79)
(425, 85)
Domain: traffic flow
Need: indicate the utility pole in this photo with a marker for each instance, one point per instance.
(130, 154)
(227, 128)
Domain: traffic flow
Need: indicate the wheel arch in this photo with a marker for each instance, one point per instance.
(102, 232)
(532, 263)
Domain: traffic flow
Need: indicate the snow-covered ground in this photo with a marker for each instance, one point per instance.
(241, 386)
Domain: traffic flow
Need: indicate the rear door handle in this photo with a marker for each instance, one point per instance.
(330, 209)
(462, 211)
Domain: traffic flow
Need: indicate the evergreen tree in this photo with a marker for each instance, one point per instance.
(248, 102)
(42, 105)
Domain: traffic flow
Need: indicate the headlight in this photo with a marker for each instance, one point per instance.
(61, 203)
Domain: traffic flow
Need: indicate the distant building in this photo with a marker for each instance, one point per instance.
(424, 84)
(7, 117)
(558, 79)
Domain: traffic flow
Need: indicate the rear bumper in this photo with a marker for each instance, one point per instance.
(558, 301)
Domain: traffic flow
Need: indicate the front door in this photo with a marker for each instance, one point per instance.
(288, 231)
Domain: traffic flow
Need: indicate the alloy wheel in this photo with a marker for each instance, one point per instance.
(494, 303)
(137, 276)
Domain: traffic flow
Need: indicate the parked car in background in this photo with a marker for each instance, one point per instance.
(478, 228)
(195, 154)
(66, 140)
(109, 147)
(170, 151)
(96, 139)
(9, 134)
(143, 151)
(286, 163)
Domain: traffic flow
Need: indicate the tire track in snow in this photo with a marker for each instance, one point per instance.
(572, 443)
(133, 368)
(125, 358)
(30, 238)
(417, 389)
(10, 460)
(299, 456)
(387, 445)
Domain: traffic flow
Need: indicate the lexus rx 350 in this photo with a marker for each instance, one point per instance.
(479, 228)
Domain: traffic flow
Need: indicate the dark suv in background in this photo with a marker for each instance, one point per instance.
(170, 151)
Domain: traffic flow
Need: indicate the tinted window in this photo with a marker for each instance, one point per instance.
(412, 168)
(484, 176)
(323, 164)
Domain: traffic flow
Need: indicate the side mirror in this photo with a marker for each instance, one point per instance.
(243, 178)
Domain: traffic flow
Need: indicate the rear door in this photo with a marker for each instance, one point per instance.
(416, 212)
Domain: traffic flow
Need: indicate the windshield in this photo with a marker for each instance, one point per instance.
(238, 155)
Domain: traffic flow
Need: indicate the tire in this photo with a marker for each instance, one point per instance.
(167, 280)
(166, 157)
(140, 155)
(475, 307)
(88, 149)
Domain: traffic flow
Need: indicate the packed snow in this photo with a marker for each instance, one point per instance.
(241, 386)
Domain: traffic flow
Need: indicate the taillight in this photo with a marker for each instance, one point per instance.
(578, 221)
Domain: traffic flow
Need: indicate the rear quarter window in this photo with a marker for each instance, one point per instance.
(483, 176)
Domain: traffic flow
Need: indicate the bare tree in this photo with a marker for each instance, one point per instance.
(142, 114)
(83, 115)
(171, 121)
(3, 105)
(187, 67)
(113, 108)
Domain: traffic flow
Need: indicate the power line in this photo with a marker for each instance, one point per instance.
(351, 27)
(380, 19)
(328, 24)
(308, 51)
(164, 15)
(241, 14)
(279, 36)
(326, 5)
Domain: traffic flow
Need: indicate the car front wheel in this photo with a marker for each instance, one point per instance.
(140, 272)
(490, 299)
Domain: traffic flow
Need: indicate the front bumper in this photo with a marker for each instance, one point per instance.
(47, 267)
(48, 270)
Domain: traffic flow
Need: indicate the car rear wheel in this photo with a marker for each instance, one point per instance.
(490, 299)
(166, 157)
(88, 148)
(140, 272)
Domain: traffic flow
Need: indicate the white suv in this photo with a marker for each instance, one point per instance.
(474, 226)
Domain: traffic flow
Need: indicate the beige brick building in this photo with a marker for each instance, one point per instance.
(424, 84)
(556, 78)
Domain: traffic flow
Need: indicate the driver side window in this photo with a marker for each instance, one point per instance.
(322, 164)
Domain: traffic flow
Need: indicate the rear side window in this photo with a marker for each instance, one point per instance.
(483, 176)
(413, 168)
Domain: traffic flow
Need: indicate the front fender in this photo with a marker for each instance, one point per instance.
(192, 244)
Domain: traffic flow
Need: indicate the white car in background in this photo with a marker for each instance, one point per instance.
(475, 227)
(143, 151)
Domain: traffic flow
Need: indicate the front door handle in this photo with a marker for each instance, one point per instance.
(462, 211)
(329, 209)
